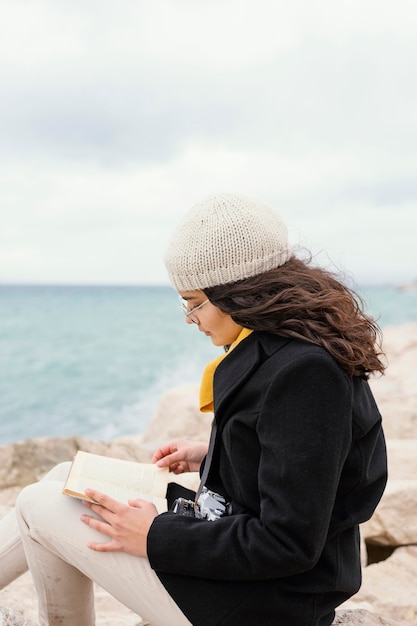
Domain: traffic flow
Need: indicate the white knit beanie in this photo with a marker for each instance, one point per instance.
(225, 238)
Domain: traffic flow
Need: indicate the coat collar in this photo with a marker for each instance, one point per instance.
(232, 372)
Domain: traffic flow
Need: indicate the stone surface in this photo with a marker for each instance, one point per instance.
(389, 587)
(8, 617)
(178, 415)
(26, 461)
(396, 392)
(362, 617)
(394, 523)
(20, 600)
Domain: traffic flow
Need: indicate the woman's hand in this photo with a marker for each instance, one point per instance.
(127, 526)
(181, 455)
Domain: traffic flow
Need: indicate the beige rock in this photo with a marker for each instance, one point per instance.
(394, 522)
(20, 600)
(25, 462)
(354, 618)
(402, 458)
(8, 617)
(178, 415)
(8, 497)
(361, 617)
(396, 391)
(389, 587)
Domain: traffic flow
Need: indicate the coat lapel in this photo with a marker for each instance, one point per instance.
(239, 365)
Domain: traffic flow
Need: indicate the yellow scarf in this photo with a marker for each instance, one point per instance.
(206, 387)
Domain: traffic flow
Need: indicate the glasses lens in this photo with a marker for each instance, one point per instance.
(183, 306)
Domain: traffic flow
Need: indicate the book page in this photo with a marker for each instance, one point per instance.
(120, 479)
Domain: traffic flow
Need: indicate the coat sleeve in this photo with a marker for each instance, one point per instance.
(305, 430)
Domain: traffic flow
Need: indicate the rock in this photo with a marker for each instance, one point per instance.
(8, 498)
(362, 618)
(394, 522)
(396, 391)
(389, 587)
(359, 617)
(8, 617)
(178, 415)
(25, 462)
(20, 598)
(402, 458)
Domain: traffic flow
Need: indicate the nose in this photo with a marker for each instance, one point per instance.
(190, 320)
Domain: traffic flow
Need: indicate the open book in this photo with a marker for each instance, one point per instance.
(119, 479)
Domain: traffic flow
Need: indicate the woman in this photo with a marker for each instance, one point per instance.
(296, 459)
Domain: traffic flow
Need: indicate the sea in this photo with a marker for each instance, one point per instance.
(95, 360)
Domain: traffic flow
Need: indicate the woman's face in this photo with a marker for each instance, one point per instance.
(210, 320)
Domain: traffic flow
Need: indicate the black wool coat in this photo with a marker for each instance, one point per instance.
(301, 455)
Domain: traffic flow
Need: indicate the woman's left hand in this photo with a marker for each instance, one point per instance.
(127, 525)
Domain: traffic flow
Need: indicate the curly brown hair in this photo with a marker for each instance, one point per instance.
(306, 302)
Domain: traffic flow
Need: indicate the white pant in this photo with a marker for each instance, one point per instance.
(52, 541)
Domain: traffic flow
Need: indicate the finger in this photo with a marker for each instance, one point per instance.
(103, 500)
(171, 459)
(101, 527)
(138, 504)
(143, 504)
(164, 450)
(111, 546)
(100, 511)
(159, 454)
(177, 468)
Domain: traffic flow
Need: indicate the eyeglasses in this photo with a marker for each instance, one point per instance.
(187, 312)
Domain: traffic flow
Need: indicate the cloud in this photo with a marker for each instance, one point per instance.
(116, 118)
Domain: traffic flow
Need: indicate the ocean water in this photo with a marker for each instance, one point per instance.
(94, 361)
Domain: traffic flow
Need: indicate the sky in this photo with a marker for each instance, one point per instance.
(117, 117)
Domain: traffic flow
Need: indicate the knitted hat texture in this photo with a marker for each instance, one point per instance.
(225, 238)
